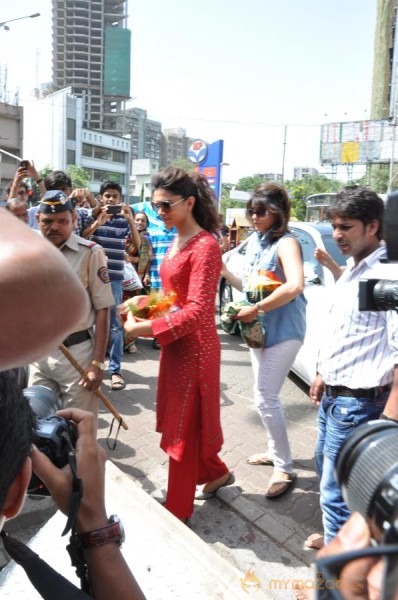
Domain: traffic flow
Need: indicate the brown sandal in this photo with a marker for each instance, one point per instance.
(279, 483)
(117, 384)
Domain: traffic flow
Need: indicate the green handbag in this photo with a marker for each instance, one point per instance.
(252, 333)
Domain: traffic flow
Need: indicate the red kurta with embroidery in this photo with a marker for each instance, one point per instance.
(190, 358)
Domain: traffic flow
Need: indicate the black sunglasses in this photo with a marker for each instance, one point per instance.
(259, 212)
(165, 205)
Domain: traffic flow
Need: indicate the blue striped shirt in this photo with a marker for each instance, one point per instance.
(112, 237)
(161, 239)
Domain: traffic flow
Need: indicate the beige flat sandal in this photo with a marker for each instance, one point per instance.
(260, 459)
(279, 483)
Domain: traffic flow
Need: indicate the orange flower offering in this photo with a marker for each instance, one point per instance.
(263, 281)
(154, 305)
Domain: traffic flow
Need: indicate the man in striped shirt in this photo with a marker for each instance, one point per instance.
(358, 363)
(111, 235)
(161, 239)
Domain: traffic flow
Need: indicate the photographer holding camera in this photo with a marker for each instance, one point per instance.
(107, 570)
(111, 235)
(358, 372)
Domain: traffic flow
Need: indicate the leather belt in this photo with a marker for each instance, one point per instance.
(76, 338)
(338, 390)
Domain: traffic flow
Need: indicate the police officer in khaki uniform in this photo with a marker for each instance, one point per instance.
(57, 219)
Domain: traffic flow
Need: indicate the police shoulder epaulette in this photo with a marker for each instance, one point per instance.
(87, 243)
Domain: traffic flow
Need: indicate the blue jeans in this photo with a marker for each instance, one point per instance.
(116, 330)
(337, 419)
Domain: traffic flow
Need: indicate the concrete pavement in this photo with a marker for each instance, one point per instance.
(274, 529)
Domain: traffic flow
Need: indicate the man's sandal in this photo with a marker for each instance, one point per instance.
(117, 382)
(279, 483)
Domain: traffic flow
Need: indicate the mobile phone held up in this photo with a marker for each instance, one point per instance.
(24, 164)
(114, 209)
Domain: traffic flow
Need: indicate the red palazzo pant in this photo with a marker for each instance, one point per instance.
(193, 469)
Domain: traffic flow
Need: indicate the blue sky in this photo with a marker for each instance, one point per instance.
(231, 70)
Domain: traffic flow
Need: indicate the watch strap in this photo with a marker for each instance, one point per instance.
(260, 311)
(98, 537)
(98, 364)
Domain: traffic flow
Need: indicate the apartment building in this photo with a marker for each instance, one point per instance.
(91, 54)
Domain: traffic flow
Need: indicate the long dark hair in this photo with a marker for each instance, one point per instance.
(178, 182)
(273, 198)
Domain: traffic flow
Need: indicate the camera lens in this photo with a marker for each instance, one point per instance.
(43, 401)
(385, 294)
(367, 472)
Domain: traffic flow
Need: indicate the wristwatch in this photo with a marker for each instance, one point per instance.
(260, 311)
(98, 364)
(113, 532)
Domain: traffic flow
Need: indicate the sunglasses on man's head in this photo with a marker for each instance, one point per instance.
(165, 205)
(259, 212)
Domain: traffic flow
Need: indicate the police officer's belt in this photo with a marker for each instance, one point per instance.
(76, 338)
(337, 390)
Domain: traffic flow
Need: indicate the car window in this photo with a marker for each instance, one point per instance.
(333, 249)
(308, 246)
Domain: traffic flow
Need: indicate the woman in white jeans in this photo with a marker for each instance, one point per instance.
(273, 257)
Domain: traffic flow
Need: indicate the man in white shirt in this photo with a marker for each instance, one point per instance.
(358, 364)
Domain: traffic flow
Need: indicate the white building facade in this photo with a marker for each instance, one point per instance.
(54, 137)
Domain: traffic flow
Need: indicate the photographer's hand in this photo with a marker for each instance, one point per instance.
(110, 576)
(391, 407)
(361, 578)
(90, 466)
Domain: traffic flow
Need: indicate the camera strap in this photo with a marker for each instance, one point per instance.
(50, 584)
(112, 445)
(77, 488)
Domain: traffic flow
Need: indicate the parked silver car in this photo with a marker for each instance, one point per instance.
(318, 281)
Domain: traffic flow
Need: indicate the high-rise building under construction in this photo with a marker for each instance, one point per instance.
(385, 73)
(91, 53)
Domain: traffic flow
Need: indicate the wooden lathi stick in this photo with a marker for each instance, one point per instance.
(98, 393)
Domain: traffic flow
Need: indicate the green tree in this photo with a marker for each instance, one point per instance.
(247, 184)
(377, 178)
(45, 171)
(80, 176)
(301, 188)
(184, 163)
(225, 200)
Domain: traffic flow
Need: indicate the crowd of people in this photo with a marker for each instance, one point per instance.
(175, 244)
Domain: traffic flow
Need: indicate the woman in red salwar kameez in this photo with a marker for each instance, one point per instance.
(188, 394)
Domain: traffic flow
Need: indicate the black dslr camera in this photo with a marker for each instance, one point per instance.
(381, 292)
(367, 473)
(54, 436)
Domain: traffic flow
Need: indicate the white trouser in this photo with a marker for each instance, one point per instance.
(270, 367)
